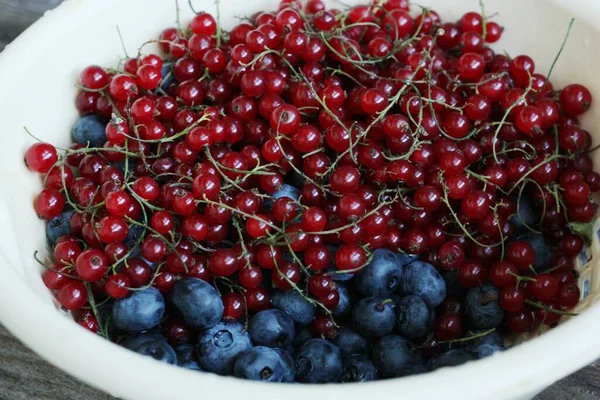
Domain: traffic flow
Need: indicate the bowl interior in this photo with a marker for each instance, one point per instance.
(39, 90)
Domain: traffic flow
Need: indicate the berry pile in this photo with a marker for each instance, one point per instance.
(319, 195)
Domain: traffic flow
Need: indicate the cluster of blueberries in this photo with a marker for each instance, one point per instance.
(383, 311)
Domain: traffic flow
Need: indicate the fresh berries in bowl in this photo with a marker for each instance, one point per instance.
(320, 195)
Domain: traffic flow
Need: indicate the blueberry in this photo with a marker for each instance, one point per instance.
(141, 311)
(198, 302)
(486, 350)
(542, 249)
(415, 317)
(135, 232)
(319, 361)
(271, 328)
(374, 317)
(186, 357)
(405, 259)
(450, 358)
(59, 226)
(135, 340)
(219, 347)
(285, 191)
(395, 356)
(381, 276)
(259, 364)
(295, 305)
(350, 342)
(422, 279)
(482, 308)
(343, 310)
(167, 76)
(359, 369)
(152, 345)
(289, 371)
(301, 337)
(494, 338)
(486, 345)
(453, 286)
(526, 215)
(337, 276)
(89, 129)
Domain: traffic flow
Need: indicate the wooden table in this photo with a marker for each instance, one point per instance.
(24, 376)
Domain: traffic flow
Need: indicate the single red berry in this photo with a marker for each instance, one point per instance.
(73, 295)
(234, 306)
(41, 157)
(117, 286)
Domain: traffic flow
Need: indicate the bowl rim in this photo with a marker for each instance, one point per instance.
(574, 344)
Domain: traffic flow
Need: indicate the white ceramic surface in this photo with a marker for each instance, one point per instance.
(37, 75)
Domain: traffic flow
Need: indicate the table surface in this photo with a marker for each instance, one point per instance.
(24, 376)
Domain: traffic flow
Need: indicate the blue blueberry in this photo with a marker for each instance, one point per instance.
(59, 226)
(415, 317)
(167, 76)
(219, 347)
(381, 276)
(289, 371)
(450, 358)
(259, 364)
(89, 129)
(374, 317)
(542, 249)
(198, 302)
(494, 338)
(303, 335)
(422, 279)
(405, 259)
(486, 345)
(343, 310)
(319, 361)
(152, 345)
(295, 305)
(141, 311)
(350, 342)
(271, 328)
(186, 357)
(486, 350)
(337, 276)
(394, 356)
(526, 217)
(482, 309)
(359, 369)
(135, 232)
(135, 340)
(287, 191)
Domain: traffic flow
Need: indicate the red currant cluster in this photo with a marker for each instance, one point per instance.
(289, 148)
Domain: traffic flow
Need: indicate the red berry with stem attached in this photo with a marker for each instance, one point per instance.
(73, 295)
(512, 299)
(49, 203)
(575, 99)
(91, 265)
(568, 295)
(117, 286)
(41, 157)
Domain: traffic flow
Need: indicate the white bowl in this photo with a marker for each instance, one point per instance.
(38, 73)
